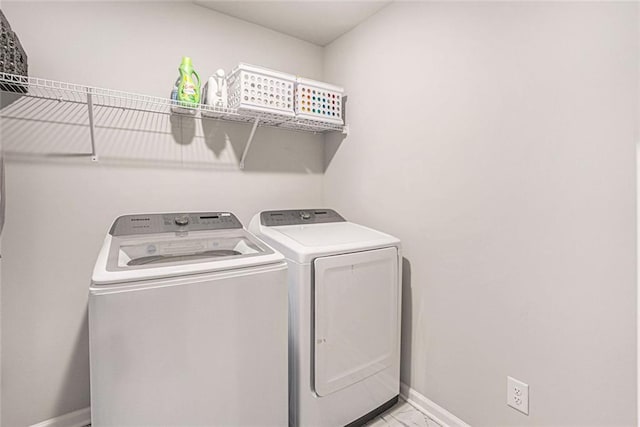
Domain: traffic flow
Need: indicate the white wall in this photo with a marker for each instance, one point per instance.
(497, 141)
(510, 161)
(59, 208)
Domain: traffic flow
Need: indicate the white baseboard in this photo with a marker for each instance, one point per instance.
(79, 418)
(431, 409)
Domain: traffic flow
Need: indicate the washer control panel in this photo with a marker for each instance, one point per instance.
(299, 217)
(128, 225)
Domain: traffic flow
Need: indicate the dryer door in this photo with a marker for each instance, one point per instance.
(356, 317)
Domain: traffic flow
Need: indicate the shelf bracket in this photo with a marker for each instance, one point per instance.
(94, 155)
(256, 122)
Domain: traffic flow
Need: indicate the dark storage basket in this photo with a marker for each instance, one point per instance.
(13, 58)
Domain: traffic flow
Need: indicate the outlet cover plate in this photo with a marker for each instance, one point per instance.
(518, 395)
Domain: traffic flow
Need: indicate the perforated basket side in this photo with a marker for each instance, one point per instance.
(319, 101)
(233, 85)
(268, 91)
(13, 58)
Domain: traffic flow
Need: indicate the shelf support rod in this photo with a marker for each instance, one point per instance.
(94, 155)
(246, 147)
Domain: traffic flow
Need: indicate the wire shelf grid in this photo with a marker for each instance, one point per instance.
(108, 98)
(100, 98)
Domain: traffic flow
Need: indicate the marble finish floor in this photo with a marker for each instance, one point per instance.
(403, 415)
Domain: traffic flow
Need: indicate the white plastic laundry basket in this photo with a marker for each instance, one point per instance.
(254, 88)
(318, 101)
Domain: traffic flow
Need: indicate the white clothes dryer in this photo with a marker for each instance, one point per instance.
(344, 315)
(187, 324)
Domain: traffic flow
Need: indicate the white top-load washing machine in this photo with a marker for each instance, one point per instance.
(344, 315)
(188, 324)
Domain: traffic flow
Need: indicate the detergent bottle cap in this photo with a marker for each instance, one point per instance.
(186, 61)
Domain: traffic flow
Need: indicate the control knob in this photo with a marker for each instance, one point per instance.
(182, 220)
(305, 215)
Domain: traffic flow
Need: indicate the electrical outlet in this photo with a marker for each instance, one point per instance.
(518, 395)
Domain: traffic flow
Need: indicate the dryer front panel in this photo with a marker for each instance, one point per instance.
(355, 317)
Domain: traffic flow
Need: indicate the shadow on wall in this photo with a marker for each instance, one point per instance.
(43, 129)
(407, 315)
(333, 140)
(7, 99)
(74, 385)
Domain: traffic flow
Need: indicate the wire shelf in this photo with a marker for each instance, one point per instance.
(59, 96)
(108, 98)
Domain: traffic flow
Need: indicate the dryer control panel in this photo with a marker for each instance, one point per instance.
(299, 217)
(128, 225)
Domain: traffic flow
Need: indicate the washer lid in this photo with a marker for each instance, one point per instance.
(322, 235)
(303, 243)
(126, 256)
(178, 249)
